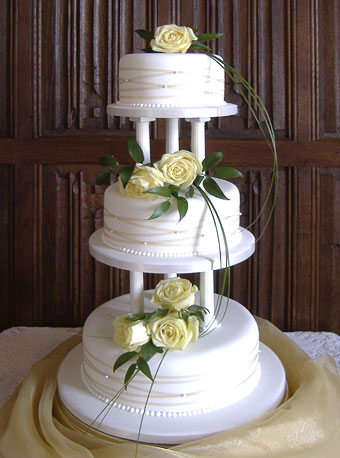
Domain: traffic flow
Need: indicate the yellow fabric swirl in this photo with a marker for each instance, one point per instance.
(172, 38)
(174, 293)
(129, 335)
(142, 179)
(172, 332)
(179, 168)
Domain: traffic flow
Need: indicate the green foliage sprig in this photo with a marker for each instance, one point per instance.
(148, 350)
(210, 170)
(110, 164)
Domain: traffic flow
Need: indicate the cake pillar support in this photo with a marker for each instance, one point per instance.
(136, 292)
(198, 136)
(172, 135)
(143, 135)
(207, 292)
(171, 275)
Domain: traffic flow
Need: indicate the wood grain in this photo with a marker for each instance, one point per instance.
(59, 70)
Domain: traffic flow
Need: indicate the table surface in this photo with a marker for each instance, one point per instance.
(21, 347)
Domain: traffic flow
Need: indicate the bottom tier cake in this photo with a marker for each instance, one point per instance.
(221, 381)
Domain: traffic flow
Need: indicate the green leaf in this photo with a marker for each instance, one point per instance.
(135, 151)
(148, 316)
(129, 373)
(185, 316)
(226, 172)
(147, 50)
(198, 180)
(190, 192)
(135, 317)
(108, 161)
(160, 210)
(103, 176)
(148, 350)
(208, 36)
(123, 359)
(174, 190)
(161, 312)
(145, 34)
(213, 188)
(144, 367)
(211, 160)
(182, 206)
(162, 191)
(125, 174)
(198, 308)
(197, 44)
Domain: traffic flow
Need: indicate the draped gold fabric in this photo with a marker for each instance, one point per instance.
(33, 424)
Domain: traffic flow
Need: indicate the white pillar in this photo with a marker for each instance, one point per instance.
(172, 135)
(198, 136)
(136, 292)
(171, 275)
(143, 136)
(207, 292)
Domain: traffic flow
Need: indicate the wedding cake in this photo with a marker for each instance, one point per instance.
(195, 363)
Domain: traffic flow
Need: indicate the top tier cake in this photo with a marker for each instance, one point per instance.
(170, 80)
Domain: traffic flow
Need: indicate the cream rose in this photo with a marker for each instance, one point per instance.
(180, 168)
(130, 335)
(142, 179)
(172, 332)
(174, 293)
(172, 38)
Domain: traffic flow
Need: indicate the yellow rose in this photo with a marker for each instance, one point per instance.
(174, 293)
(172, 38)
(142, 179)
(130, 335)
(172, 332)
(180, 168)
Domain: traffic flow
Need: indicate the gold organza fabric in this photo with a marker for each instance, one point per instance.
(32, 423)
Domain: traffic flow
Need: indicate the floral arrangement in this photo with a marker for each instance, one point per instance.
(172, 38)
(171, 327)
(175, 175)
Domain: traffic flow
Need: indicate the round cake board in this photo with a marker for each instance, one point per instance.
(198, 263)
(225, 109)
(115, 422)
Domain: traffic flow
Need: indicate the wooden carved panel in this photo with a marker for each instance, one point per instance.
(329, 69)
(5, 17)
(6, 245)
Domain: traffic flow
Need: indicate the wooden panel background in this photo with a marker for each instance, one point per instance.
(58, 71)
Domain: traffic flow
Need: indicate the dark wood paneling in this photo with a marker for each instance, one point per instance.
(329, 69)
(5, 67)
(6, 246)
(59, 64)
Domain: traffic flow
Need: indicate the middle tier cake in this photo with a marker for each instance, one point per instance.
(127, 227)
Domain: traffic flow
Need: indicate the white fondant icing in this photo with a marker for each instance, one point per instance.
(127, 227)
(170, 80)
(217, 370)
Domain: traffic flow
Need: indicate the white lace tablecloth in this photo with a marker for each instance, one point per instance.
(21, 347)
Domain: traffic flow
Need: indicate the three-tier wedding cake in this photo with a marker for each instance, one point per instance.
(196, 364)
